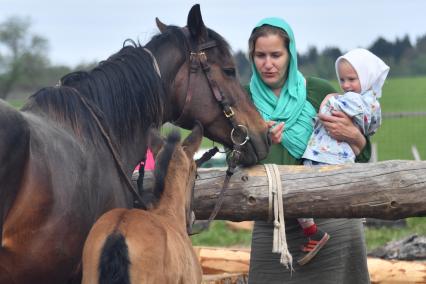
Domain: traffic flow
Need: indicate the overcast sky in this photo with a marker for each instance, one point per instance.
(87, 30)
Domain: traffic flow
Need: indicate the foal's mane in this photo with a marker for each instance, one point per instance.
(124, 90)
(162, 162)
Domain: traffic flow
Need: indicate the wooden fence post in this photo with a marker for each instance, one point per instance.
(415, 152)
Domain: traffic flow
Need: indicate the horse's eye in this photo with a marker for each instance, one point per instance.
(229, 72)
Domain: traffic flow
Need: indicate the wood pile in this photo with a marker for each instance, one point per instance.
(228, 265)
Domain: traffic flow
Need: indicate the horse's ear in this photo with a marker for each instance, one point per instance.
(155, 141)
(161, 26)
(192, 143)
(196, 25)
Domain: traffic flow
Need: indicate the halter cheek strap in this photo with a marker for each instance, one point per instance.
(198, 58)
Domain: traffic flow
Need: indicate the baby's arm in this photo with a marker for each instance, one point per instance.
(325, 100)
(356, 107)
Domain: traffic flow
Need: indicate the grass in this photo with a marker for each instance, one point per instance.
(219, 235)
(396, 136)
(378, 237)
(404, 94)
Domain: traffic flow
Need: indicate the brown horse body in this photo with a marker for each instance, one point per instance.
(57, 172)
(136, 246)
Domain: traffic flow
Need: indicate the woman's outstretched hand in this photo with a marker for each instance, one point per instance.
(341, 127)
(275, 131)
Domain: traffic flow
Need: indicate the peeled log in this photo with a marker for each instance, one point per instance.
(384, 190)
(396, 271)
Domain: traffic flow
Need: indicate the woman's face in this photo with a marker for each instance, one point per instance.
(271, 59)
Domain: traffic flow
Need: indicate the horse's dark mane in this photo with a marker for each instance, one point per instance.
(162, 162)
(125, 89)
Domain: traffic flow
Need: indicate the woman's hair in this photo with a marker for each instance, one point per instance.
(266, 30)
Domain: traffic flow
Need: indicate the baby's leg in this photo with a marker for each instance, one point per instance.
(308, 226)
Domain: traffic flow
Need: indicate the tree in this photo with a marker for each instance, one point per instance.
(382, 48)
(401, 46)
(24, 54)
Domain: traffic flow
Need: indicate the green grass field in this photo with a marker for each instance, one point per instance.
(396, 135)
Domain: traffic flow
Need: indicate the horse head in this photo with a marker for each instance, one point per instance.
(205, 87)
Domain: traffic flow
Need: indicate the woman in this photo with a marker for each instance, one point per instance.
(289, 102)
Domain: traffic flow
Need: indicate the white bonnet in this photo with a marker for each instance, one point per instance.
(371, 70)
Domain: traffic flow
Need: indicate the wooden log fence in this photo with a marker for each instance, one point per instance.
(384, 190)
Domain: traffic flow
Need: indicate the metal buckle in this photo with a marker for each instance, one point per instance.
(228, 114)
(202, 56)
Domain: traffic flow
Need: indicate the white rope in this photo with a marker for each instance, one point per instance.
(279, 238)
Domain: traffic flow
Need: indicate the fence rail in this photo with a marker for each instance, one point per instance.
(403, 114)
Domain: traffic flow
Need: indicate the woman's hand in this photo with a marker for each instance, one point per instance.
(340, 127)
(275, 131)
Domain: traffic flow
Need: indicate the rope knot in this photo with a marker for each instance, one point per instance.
(277, 224)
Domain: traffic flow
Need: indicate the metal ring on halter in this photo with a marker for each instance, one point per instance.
(247, 138)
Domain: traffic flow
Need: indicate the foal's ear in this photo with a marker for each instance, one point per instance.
(161, 26)
(196, 25)
(155, 141)
(193, 141)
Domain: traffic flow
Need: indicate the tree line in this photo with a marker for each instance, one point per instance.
(404, 58)
(25, 66)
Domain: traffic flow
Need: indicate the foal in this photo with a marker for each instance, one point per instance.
(137, 246)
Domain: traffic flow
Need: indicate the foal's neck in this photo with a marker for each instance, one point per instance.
(173, 200)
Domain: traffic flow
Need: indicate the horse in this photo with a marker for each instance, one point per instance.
(67, 156)
(137, 246)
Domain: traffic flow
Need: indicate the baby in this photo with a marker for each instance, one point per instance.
(361, 76)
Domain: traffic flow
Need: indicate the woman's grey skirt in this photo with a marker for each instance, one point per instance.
(342, 260)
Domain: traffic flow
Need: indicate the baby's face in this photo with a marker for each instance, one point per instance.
(348, 78)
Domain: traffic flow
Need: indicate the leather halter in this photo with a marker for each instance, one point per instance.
(198, 58)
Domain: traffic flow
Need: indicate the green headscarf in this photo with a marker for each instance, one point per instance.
(291, 107)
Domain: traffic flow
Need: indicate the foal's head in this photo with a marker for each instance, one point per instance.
(175, 170)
